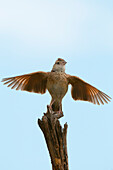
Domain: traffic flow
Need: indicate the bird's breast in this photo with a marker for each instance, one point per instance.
(57, 85)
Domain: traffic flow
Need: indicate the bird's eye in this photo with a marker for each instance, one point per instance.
(58, 63)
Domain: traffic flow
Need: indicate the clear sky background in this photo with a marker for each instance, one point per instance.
(33, 34)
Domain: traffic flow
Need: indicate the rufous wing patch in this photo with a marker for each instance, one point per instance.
(33, 82)
(83, 91)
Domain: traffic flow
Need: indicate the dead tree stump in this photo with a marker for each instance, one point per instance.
(56, 139)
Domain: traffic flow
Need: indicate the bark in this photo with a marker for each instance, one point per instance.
(56, 139)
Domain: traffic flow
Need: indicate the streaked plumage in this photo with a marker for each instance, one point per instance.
(56, 82)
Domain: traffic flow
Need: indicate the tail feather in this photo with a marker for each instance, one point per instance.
(56, 106)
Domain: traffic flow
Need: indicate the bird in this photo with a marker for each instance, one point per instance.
(56, 82)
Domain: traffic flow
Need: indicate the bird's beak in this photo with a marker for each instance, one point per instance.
(64, 62)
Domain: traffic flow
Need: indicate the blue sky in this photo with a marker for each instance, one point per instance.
(33, 34)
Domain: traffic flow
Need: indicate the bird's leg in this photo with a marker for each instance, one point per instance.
(59, 113)
(60, 108)
(56, 114)
(50, 106)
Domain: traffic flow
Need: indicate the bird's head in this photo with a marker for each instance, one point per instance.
(59, 65)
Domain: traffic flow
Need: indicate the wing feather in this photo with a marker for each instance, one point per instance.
(83, 91)
(33, 82)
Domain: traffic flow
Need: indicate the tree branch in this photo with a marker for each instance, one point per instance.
(56, 139)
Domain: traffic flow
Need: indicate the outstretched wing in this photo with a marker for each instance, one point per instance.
(33, 82)
(83, 91)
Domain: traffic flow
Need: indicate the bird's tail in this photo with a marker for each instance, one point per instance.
(56, 106)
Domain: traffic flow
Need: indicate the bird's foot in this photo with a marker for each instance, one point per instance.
(58, 114)
(49, 108)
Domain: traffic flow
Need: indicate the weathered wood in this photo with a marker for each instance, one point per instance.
(56, 139)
